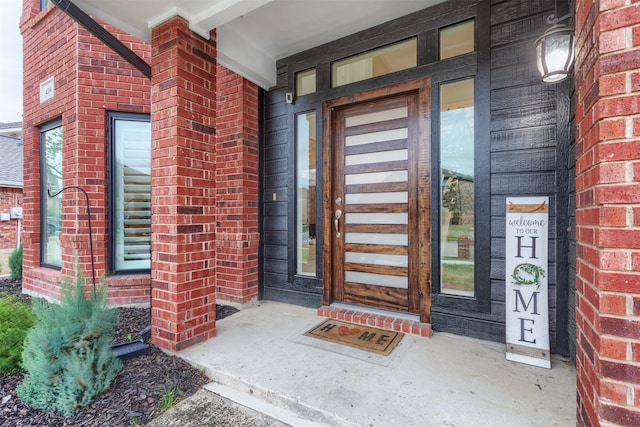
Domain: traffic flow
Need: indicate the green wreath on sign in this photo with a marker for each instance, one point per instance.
(527, 274)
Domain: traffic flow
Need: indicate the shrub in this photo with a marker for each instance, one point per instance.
(16, 319)
(67, 355)
(15, 263)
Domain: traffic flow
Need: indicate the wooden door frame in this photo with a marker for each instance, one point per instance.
(423, 88)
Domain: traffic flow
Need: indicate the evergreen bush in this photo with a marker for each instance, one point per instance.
(15, 263)
(67, 355)
(16, 319)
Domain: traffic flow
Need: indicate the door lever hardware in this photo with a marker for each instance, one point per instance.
(336, 223)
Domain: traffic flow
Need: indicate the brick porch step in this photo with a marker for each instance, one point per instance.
(387, 320)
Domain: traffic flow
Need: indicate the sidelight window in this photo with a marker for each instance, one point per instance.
(457, 141)
(306, 193)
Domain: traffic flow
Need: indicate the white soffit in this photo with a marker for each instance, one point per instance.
(253, 34)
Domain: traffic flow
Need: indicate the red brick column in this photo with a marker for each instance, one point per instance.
(183, 185)
(608, 212)
(237, 235)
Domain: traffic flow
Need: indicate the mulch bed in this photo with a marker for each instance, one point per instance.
(134, 394)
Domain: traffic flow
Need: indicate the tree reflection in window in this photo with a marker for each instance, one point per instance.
(51, 209)
(457, 142)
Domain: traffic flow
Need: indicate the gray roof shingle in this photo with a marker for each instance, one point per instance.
(10, 162)
(10, 125)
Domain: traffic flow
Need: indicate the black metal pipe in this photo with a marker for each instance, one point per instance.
(105, 36)
(86, 197)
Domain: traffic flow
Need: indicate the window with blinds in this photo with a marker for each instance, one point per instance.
(131, 192)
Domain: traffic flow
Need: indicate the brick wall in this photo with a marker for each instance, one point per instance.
(90, 80)
(608, 212)
(9, 198)
(183, 185)
(237, 236)
(204, 186)
(204, 180)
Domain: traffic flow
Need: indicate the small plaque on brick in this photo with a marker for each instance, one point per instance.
(47, 89)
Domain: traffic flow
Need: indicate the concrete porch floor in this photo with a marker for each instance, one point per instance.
(261, 359)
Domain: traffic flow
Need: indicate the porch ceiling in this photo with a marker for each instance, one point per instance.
(253, 34)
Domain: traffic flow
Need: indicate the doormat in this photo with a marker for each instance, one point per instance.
(361, 337)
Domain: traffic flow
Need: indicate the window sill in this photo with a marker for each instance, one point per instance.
(128, 280)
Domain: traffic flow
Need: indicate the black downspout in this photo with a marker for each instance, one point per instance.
(105, 36)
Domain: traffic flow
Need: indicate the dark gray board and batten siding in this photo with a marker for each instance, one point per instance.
(523, 141)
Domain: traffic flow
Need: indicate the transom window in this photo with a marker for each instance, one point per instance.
(457, 39)
(306, 82)
(376, 62)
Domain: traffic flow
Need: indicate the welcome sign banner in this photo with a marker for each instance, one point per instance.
(526, 280)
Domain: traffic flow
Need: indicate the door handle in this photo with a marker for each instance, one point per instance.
(336, 223)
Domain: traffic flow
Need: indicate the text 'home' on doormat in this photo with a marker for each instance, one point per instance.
(362, 337)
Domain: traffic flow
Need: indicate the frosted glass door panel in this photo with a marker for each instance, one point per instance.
(376, 279)
(377, 259)
(378, 116)
(365, 198)
(379, 157)
(377, 239)
(376, 177)
(376, 218)
(369, 138)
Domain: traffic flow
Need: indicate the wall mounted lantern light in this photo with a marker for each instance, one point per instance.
(555, 50)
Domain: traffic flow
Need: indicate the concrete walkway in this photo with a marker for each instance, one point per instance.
(261, 360)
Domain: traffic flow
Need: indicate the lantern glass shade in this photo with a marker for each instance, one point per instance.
(554, 53)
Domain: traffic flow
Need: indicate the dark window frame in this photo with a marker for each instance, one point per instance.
(42, 130)
(112, 117)
(481, 301)
(425, 25)
(295, 170)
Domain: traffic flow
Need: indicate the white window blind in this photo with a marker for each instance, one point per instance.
(132, 195)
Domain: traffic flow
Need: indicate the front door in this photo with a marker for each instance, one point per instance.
(378, 208)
